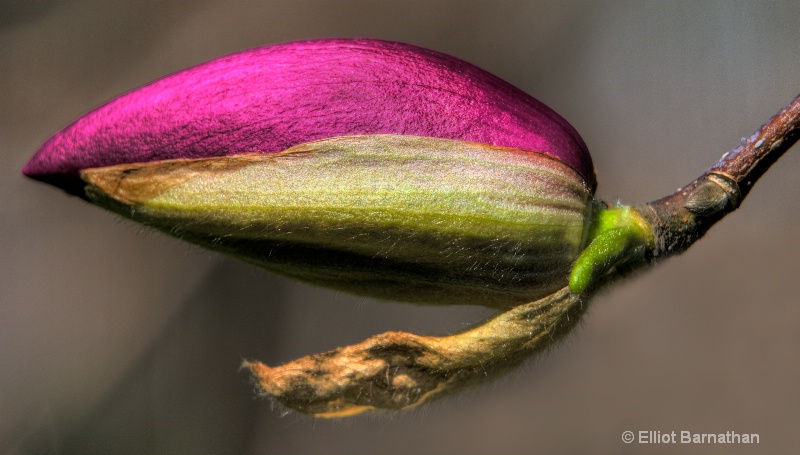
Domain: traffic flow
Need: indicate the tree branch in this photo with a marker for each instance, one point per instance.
(748, 162)
(681, 218)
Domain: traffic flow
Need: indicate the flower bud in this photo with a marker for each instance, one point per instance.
(395, 217)
(373, 167)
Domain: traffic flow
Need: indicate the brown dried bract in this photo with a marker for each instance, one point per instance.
(399, 370)
(139, 182)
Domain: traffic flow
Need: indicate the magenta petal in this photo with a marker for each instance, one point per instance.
(271, 98)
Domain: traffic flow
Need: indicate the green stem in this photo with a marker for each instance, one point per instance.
(618, 240)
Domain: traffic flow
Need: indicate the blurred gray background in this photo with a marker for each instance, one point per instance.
(116, 340)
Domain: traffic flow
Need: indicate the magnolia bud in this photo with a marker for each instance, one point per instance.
(378, 168)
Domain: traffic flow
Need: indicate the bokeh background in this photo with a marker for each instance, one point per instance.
(117, 340)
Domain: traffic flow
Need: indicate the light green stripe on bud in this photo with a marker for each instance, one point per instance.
(405, 218)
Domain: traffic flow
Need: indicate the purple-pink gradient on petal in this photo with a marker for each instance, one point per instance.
(271, 98)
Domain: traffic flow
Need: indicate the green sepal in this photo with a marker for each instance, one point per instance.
(406, 218)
